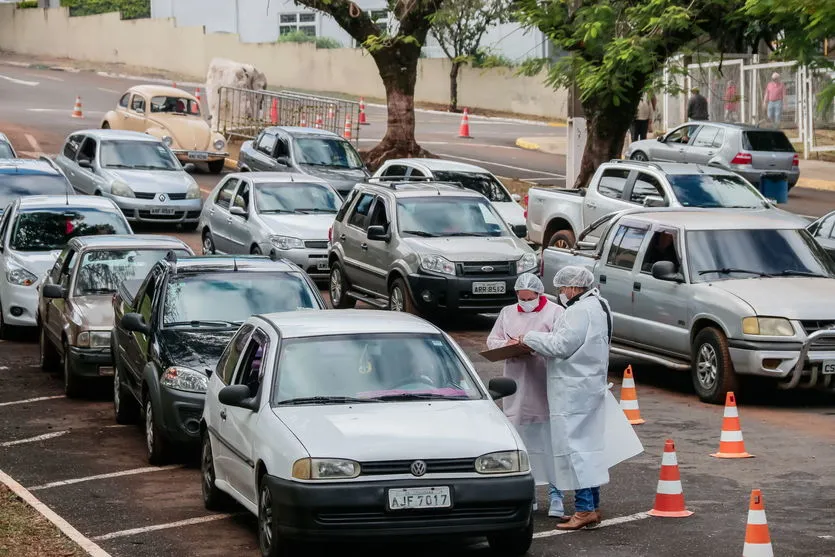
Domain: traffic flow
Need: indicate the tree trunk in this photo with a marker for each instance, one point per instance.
(453, 86)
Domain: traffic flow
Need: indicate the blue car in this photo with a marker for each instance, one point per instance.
(23, 177)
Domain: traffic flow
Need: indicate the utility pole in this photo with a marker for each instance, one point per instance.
(576, 131)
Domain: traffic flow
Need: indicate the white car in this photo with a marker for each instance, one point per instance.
(33, 231)
(355, 424)
(469, 176)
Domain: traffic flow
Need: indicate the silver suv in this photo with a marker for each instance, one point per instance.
(424, 248)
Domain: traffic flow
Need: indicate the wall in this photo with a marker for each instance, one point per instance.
(159, 44)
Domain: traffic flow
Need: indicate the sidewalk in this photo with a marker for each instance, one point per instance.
(814, 174)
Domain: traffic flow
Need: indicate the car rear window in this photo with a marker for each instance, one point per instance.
(767, 140)
(13, 186)
(50, 229)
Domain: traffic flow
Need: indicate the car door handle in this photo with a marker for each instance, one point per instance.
(228, 219)
(211, 211)
(364, 246)
(342, 236)
(602, 279)
(636, 286)
(710, 153)
(591, 205)
(223, 414)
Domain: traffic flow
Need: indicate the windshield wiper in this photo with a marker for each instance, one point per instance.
(314, 210)
(793, 273)
(728, 270)
(202, 323)
(266, 211)
(117, 165)
(420, 233)
(474, 234)
(324, 400)
(419, 396)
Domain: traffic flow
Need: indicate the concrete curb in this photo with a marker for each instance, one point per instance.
(525, 144)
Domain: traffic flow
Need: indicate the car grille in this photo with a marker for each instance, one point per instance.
(316, 244)
(487, 268)
(346, 518)
(813, 325)
(171, 196)
(440, 466)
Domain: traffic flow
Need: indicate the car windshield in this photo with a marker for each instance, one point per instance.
(175, 105)
(326, 151)
(448, 216)
(235, 296)
(103, 270)
(734, 254)
(483, 183)
(292, 197)
(145, 155)
(6, 151)
(715, 190)
(13, 186)
(371, 367)
(50, 229)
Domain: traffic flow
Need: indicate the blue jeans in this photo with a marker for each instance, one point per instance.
(585, 500)
(775, 111)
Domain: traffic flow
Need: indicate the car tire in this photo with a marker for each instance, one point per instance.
(4, 329)
(711, 367)
(255, 250)
(72, 383)
(50, 358)
(208, 243)
(125, 407)
(400, 299)
(512, 544)
(156, 446)
(213, 498)
(338, 287)
(216, 167)
(563, 239)
(105, 126)
(269, 542)
(639, 156)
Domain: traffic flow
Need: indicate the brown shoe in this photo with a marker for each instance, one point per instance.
(580, 520)
(599, 515)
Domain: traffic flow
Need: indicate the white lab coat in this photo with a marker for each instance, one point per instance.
(577, 350)
(527, 409)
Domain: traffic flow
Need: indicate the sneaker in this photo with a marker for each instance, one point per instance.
(535, 506)
(556, 508)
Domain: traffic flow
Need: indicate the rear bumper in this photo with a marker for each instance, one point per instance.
(309, 259)
(439, 293)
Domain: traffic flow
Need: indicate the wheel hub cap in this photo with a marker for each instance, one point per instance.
(707, 366)
(396, 300)
(149, 426)
(336, 286)
(266, 517)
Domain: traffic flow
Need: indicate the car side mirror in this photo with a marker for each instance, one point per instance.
(189, 167)
(284, 161)
(85, 163)
(54, 291)
(666, 271)
(585, 244)
(500, 387)
(661, 138)
(654, 201)
(237, 396)
(378, 233)
(135, 323)
(520, 233)
(208, 371)
(516, 197)
(238, 212)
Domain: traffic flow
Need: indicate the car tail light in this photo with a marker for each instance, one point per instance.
(796, 160)
(526, 205)
(742, 158)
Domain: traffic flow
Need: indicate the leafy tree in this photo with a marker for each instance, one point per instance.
(459, 27)
(130, 9)
(396, 56)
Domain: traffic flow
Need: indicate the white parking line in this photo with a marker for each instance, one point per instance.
(28, 400)
(503, 165)
(604, 524)
(106, 90)
(32, 141)
(51, 78)
(132, 472)
(20, 81)
(154, 528)
(43, 437)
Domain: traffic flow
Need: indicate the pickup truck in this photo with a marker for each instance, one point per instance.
(556, 216)
(722, 294)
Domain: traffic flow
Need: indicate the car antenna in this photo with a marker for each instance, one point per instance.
(234, 264)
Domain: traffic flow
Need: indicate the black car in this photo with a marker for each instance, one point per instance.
(175, 324)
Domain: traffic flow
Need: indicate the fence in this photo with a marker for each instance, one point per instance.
(243, 113)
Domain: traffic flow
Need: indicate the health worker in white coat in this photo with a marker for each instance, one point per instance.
(577, 351)
(527, 409)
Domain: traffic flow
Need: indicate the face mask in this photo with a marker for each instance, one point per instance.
(563, 300)
(528, 305)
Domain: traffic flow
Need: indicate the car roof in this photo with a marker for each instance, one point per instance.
(59, 201)
(126, 241)
(271, 177)
(104, 134)
(27, 166)
(439, 164)
(228, 263)
(297, 131)
(674, 168)
(307, 323)
(714, 219)
(161, 90)
(406, 189)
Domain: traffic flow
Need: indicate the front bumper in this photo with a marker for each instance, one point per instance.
(357, 510)
(150, 210)
(788, 361)
(91, 362)
(181, 412)
(314, 261)
(199, 156)
(22, 300)
(442, 293)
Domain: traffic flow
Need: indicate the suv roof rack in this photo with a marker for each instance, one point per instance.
(630, 161)
(409, 180)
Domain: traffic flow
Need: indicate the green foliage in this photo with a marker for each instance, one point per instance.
(27, 4)
(486, 58)
(460, 25)
(301, 37)
(130, 9)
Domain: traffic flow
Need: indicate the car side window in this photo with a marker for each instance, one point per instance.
(645, 185)
(223, 198)
(719, 139)
(242, 199)
(705, 136)
(123, 102)
(281, 148)
(416, 172)
(663, 246)
(612, 182)
(395, 171)
(345, 206)
(229, 360)
(824, 230)
(682, 135)
(145, 306)
(88, 150)
(359, 216)
(267, 144)
(72, 145)
(379, 215)
(66, 269)
(625, 247)
(251, 371)
(137, 104)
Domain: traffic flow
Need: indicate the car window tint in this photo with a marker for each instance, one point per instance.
(483, 183)
(87, 150)
(359, 217)
(137, 104)
(250, 371)
(663, 246)
(242, 199)
(72, 145)
(418, 173)
(824, 229)
(102, 270)
(625, 247)
(224, 196)
(123, 102)
(705, 137)
(66, 268)
(395, 170)
(176, 105)
(229, 360)
(645, 185)
(267, 144)
(612, 182)
(379, 216)
(766, 140)
(50, 229)
(146, 302)
(719, 140)
(59, 262)
(345, 206)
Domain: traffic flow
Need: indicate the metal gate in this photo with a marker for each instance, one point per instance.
(722, 84)
(819, 121)
(788, 115)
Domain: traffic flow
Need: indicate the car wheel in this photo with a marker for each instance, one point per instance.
(72, 383)
(208, 243)
(50, 358)
(338, 289)
(105, 126)
(512, 544)
(124, 405)
(155, 443)
(216, 167)
(563, 239)
(270, 543)
(639, 156)
(399, 298)
(256, 251)
(712, 368)
(213, 498)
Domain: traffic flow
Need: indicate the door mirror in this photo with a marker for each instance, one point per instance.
(86, 163)
(516, 197)
(500, 387)
(208, 371)
(189, 167)
(283, 161)
(238, 212)
(654, 201)
(54, 291)
(378, 233)
(661, 138)
(520, 232)
(237, 396)
(585, 244)
(666, 271)
(135, 323)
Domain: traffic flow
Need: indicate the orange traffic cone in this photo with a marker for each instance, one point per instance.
(76, 111)
(331, 114)
(629, 398)
(464, 129)
(318, 125)
(347, 132)
(669, 496)
(757, 538)
(362, 120)
(274, 112)
(197, 95)
(731, 444)
(303, 122)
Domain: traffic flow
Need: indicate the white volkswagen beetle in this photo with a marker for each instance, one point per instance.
(355, 424)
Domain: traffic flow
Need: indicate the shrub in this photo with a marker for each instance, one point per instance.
(301, 37)
(488, 59)
(130, 9)
(27, 4)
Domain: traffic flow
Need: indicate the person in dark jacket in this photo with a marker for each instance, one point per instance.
(697, 106)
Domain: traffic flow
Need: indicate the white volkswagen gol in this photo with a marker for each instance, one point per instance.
(359, 424)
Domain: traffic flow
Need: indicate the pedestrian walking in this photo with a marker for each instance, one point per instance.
(697, 108)
(577, 352)
(731, 99)
(775, 92)
(527, 409)
(642, 124)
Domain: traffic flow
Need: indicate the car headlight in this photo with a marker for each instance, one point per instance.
(437, 264)
(167, 140)
(767, 326)
(15, 274)
(193, 191)
(93, 339)
(219, 143)
(526, 263)
(184, 379)
(121, 189)
(506, 462)
(286, 242)
(325, 469)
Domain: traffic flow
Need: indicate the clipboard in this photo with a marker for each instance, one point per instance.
(505, 352)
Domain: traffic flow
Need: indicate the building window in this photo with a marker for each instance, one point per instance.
(380, 18)
(291, 23)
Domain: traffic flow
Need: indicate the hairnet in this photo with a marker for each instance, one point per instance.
(529, 281)
(573, 276)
